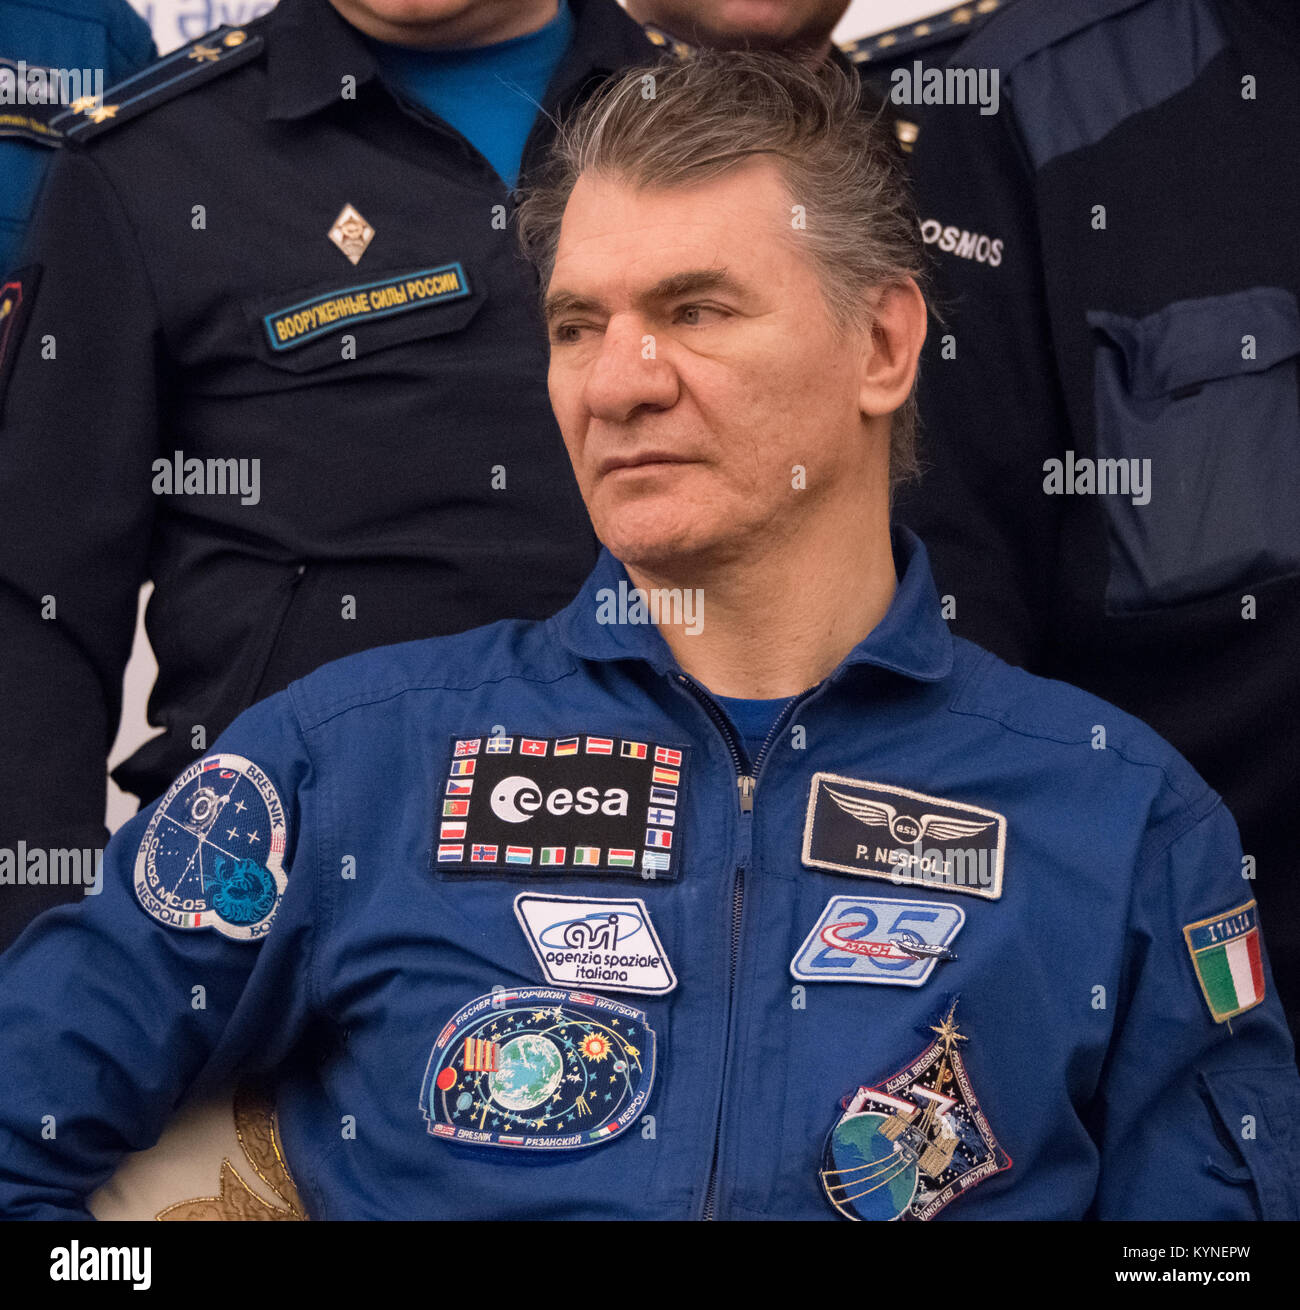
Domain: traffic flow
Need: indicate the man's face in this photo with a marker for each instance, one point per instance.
(695, 369)
(733, 24)
(437, 23)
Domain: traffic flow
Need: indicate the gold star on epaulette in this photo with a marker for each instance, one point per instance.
(906, 133)
(204, 54)
(102, 113)
(84, 104)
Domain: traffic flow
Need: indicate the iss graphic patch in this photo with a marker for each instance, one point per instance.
(905, 1149)
(539, 1069)
(562, 805)
(873, 939)
(213, 853)
(877, 831)
(603, 943)
(1225, 955)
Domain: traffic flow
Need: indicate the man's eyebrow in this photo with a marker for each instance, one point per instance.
(565, 302)
(690, 282)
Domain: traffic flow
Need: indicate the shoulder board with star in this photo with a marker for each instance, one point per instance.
(946, 28)
(182, 70)
(667, 41)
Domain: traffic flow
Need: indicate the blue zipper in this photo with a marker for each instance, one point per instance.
(746, 785)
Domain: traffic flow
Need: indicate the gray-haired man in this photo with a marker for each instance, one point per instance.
(683, 903)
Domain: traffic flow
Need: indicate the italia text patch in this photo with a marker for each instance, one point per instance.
(334, 310)
(873, 939)
(878, 831)
(581, 804)
(610, 944)
(1225, 955)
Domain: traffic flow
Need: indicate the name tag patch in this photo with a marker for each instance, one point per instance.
(560, 805)
(608, 944)
(538, 1069)
(334, 310)
(877, 831)
(873, 939)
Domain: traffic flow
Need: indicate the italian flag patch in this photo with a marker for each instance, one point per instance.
(1225, 955)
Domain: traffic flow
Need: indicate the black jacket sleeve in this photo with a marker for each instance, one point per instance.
(990, 403)
(78, 432)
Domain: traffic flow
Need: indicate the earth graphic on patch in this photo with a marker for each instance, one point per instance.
(531, 1068)
(875, 1178)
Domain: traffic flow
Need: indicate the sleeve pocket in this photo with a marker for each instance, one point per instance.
(1258, 1110)
(1205, 391)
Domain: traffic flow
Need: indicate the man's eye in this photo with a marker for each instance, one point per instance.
(566, 333)
(695, 315)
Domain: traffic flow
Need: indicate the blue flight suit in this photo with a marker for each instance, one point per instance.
(383, 906)
(107, 35)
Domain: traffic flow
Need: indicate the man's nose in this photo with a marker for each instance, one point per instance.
(627, 374)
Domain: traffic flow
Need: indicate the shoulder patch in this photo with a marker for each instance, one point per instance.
(16, 296)
(1225, 954)
(667, 41)
(213, 853)
(182, 70)
(941, 29)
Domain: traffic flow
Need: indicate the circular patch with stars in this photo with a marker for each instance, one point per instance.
(213, 853)
(539, 1069)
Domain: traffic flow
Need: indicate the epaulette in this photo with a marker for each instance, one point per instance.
(667, 41)
(948, 27)
(182, 70)
(18, 116)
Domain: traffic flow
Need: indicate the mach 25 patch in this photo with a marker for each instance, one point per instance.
(878, 831)
(560, 805)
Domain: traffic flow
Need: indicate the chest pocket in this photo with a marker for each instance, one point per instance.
(316, 327)
(1197, 404)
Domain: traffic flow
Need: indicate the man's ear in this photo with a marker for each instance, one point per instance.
(889, 359)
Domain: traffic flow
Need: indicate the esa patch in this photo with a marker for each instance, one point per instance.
(906, 1148)
(1225, 955)
(878, 831)
(562, 805)
(333, 311)
(872, 939)
(213, 853)
(610, 944)
(538, 1069)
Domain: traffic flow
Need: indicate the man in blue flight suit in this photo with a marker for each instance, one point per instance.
(739, 888)
(46, 52)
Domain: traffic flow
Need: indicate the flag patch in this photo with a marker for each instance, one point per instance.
(1225, 956)
(551, 805)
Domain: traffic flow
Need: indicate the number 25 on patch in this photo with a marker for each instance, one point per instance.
(878, 939)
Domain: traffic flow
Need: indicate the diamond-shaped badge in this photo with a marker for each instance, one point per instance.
(351, 233)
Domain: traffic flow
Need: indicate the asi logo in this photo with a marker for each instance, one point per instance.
(516, 799)
(597, 942)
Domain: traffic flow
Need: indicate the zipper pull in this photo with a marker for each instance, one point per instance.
(746, 784)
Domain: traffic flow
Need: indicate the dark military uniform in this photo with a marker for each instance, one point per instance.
(256, 251)
(40, 42)
(1110, 408)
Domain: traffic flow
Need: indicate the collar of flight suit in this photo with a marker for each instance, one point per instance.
(311, 48)
(911, 640)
